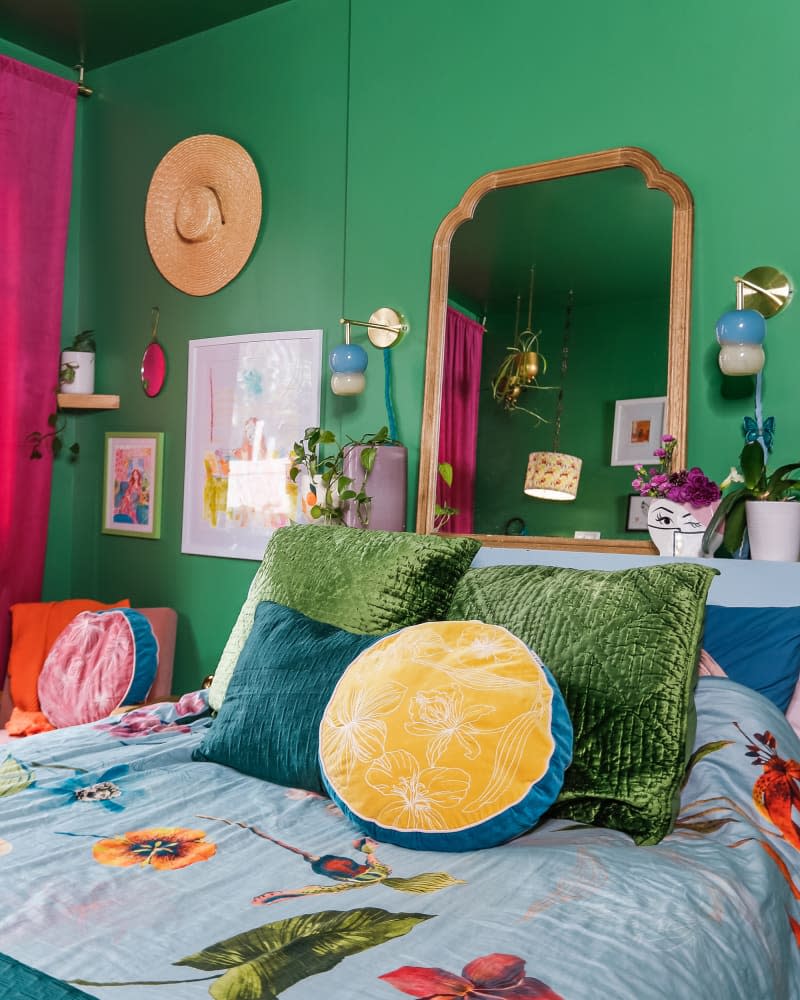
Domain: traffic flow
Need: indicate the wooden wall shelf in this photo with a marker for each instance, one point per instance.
(84, 401)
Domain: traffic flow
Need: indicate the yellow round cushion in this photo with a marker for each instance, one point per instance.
(445, 735)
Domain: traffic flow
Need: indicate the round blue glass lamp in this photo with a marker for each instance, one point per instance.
(740, 334)
(348, 362)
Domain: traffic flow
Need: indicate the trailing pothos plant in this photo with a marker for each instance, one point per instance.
(442, 512)
(53, 437)
(330, 486)
(757, 484)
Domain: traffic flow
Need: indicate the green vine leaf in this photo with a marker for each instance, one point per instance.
(14, 777)
(702, 752)
(704, 826)
(267, 960)
(427, 882)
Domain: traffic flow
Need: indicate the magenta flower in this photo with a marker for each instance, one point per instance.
(689, 487)
(492, 977)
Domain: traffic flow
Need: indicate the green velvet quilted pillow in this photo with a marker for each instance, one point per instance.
(623, 648)
(370, 582)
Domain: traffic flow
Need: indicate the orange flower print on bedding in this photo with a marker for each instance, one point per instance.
(166, 848)
(776, 792)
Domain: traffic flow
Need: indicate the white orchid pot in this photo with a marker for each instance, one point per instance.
(80, 368)
(773, 528)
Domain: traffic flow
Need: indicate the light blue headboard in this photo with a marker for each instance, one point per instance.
(740, 583)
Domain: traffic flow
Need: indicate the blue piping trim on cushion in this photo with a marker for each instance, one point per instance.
(145, 647)
(512, 822)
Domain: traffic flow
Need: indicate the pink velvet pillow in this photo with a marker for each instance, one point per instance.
(102, 659)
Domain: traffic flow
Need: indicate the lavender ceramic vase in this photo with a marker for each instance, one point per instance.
(386, 485)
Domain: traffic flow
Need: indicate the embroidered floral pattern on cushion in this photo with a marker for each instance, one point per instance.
(443, 728)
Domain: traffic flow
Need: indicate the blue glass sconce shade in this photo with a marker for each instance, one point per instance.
(740, 334)
(348, 363)
(348, 358)
(741, 326)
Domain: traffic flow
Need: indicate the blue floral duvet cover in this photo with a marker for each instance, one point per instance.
(128, 871)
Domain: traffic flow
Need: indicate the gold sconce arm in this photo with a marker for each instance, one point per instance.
(385, 327)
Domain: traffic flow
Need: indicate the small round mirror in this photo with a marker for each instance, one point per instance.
(154, 369)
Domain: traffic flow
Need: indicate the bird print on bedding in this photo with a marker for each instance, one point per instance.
(343, 871)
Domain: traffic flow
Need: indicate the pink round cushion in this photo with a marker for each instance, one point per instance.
(102, 659)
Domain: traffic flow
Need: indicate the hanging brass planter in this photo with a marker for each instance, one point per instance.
(528, 365)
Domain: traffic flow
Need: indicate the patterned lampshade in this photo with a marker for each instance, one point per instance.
(552, 475)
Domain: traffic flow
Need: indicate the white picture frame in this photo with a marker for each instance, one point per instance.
(638, 428)
(249, 399)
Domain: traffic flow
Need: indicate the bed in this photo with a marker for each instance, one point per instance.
(131, 869)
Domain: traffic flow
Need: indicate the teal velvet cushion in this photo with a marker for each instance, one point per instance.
(623, 648)
(268, 725)
(369, 582)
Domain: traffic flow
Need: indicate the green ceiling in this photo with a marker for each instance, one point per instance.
(98, 32)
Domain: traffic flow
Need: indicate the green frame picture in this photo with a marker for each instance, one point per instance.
(132, 484)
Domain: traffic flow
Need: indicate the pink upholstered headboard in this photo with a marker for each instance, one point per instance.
(164, 622)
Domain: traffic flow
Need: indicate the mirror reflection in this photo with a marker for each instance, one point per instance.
(553, 296)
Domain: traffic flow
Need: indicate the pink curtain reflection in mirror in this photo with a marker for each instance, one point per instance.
(154, 369)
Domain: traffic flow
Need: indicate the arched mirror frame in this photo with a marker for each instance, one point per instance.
(679, 322)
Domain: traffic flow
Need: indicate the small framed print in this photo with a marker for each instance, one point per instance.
(638, 507)
(132, 484)
(638, 426)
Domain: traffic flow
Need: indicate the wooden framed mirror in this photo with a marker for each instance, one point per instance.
(624, 164)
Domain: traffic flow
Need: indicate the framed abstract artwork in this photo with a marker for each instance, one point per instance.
(638, 426)
(250, 398)
(132, 484)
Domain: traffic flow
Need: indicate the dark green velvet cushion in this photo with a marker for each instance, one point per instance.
(363, 581)
(268, 725)
(623, 647)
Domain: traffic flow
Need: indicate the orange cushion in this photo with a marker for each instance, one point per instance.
(34, 629)
(27, 723)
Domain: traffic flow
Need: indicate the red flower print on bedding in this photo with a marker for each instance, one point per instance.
(492, 977)
(776, 792)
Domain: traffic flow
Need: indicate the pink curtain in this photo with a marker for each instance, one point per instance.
(458, 429)
(37, 131)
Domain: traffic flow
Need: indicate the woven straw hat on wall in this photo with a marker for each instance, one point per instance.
(203, 213)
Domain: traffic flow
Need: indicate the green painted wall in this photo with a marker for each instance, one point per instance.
(439, 94)
(276, 82)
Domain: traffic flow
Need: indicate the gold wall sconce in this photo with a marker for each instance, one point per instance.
(348, 362)
(760, 294)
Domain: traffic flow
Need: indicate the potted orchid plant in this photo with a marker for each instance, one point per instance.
(758, 502)
(682, 504)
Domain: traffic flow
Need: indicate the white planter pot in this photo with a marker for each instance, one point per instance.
(773, 528)
(677, 529)
(82, 363)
